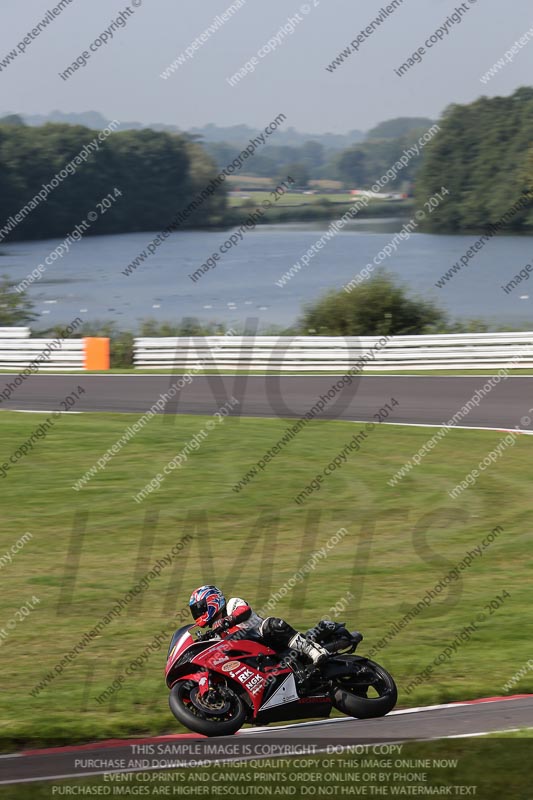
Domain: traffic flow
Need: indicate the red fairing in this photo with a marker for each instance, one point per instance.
(219, 659)
(223, 657)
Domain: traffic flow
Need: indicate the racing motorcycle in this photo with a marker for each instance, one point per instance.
(218, 684)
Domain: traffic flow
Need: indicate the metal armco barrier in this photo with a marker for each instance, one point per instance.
(322, 353)
(18, 352)
(14, 333)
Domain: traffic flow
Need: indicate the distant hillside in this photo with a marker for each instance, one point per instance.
(355, 158)
(240, 134)
(236, 134)
(401, 126)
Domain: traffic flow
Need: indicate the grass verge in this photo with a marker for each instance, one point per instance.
(89, 547)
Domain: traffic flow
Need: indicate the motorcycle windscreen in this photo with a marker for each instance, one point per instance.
(175, 638)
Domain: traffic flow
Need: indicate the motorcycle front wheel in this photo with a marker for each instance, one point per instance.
(367, 691)
(220, 713)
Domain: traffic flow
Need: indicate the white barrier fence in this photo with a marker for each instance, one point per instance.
(322, 353)
(282, 354)
(47, 354)
(14, 333)
(18, 351)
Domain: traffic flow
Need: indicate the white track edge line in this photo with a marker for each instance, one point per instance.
(251, 416)
(433, 425)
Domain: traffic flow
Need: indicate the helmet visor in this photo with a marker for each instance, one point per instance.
(197, 609)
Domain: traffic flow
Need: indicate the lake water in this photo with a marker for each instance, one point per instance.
(88, 281)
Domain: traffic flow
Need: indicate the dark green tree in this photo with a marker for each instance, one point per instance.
(158, 174)
(480, 154)
(360, 166)
(298, 172)
(352, 167)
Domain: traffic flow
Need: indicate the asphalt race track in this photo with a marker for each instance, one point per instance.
(493, 714)
(421, 399)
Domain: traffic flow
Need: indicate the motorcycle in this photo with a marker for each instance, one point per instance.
(219, 684)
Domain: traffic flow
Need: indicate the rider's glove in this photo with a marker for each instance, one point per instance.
(327, 625)
(203, 636)
(223, 624)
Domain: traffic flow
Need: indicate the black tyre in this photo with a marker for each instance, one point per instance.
(221, 715)
(369, 691)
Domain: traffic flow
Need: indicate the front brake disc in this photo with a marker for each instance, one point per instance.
(212, 702)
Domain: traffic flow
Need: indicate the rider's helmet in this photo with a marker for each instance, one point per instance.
(205, 603)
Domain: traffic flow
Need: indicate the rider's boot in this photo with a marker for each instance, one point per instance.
(306, 647)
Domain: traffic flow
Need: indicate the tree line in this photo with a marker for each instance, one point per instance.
(357, 166)
(157, 174)
(483, 154)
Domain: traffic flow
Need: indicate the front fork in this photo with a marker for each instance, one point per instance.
(205, 684)
(202, 679)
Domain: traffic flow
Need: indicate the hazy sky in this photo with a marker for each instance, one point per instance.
(122, 79)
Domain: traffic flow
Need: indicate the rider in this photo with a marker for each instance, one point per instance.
(208, 608)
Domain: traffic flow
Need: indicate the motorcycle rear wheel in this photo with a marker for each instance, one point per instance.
(350, 693)
(184, 703)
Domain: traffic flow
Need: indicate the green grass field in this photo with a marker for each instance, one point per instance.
(401, 541)
(291, 199)
(299, 199)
